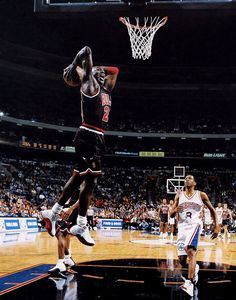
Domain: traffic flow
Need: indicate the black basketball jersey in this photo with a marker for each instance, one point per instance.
(164, 209)
(95, 109)
(225, 214)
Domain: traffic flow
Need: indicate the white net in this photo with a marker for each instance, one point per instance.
(141, 36)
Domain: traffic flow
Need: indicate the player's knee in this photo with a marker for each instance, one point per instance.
(61, 242)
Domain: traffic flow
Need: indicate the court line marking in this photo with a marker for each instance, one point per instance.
(22, 284)
(19, 285)
(20, 270)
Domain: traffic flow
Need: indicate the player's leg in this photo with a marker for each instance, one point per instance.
(60, 267)
(50, 216)
(182, 255)
(70, 187)
(161, 229)
(81, 230)
(188, 237)
(171, 231)
(191, 262)
(228, 224)
(86, 194)
(225, 228)
(191, 246)
(220, 228)
(68, 260)
(188, 285)
(89, 150)
(165, 230)
(180, 243)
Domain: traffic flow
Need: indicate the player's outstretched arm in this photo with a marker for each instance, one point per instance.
(72, 76)
(80, 67)
(89, 85)
(84, 54)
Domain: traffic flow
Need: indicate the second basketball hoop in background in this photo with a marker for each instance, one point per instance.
(141, 35)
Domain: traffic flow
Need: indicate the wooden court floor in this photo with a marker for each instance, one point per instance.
(134, 263)
(23, 250)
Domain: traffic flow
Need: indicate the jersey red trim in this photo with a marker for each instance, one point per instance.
(93, 127)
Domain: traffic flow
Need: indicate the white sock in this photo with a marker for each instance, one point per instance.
(82, 221)
(67, 256)
(57, 208)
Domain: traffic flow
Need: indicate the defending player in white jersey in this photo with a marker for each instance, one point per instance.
(207, 220)
(219, 213)
(189, 205)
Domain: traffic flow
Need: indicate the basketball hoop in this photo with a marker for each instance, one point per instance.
(141, 36)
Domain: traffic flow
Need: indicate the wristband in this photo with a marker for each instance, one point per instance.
(112, 70)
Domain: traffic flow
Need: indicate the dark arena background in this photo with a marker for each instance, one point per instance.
(171, 113)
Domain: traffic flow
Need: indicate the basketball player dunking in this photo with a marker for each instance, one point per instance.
(189, 205)
(96, 84)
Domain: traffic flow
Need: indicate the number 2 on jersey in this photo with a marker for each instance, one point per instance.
(105, 117)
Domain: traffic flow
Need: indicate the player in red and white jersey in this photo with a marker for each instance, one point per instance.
(189, 205)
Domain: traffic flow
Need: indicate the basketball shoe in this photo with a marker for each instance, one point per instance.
(187, 287)
(68, 261)
(59, 268)
(82, 234)
(50, 218)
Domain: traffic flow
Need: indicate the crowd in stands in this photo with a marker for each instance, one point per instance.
(132, 194)
(157, 124)
(178, 117)
(181, 125)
